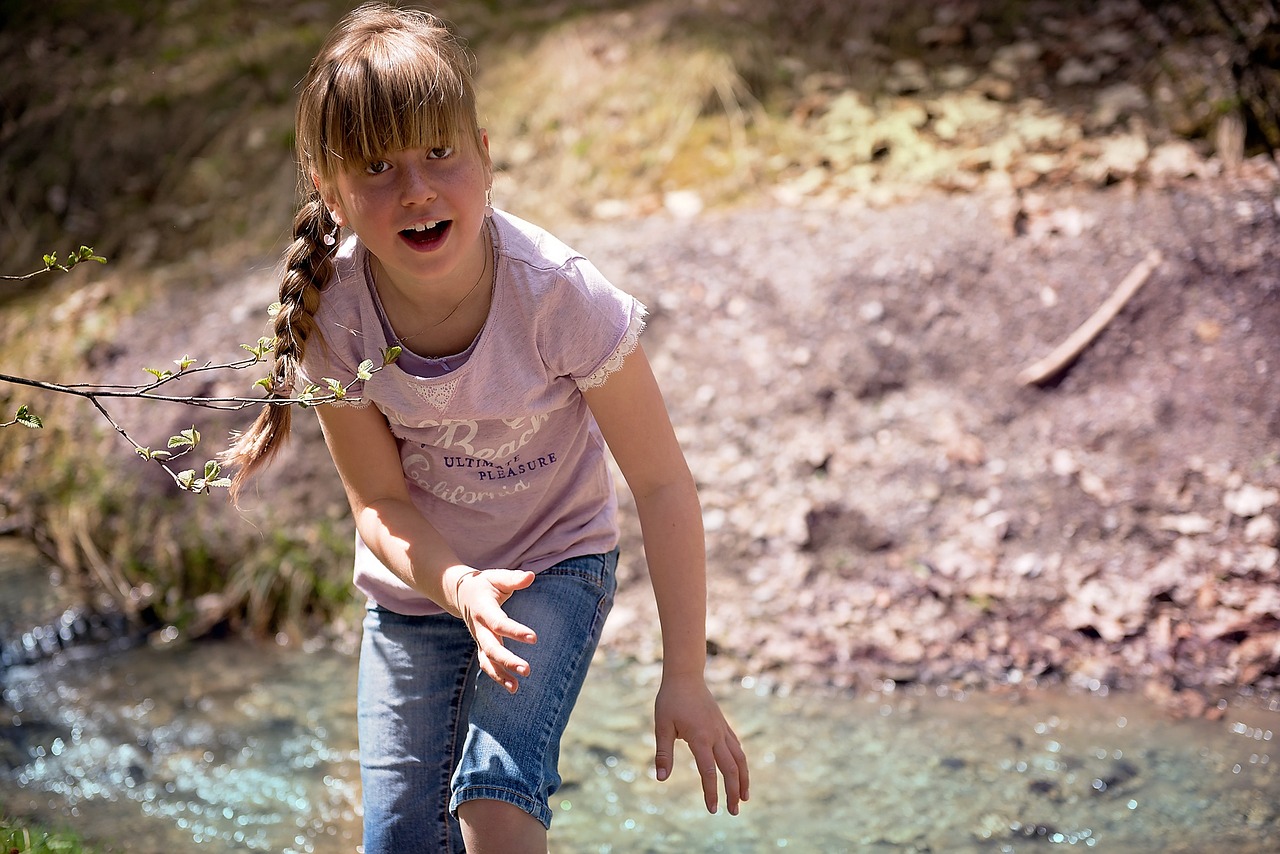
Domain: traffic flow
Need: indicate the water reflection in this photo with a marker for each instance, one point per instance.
(228, 746)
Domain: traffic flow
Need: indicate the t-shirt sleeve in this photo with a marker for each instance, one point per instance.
(335, 353)
(592, 326)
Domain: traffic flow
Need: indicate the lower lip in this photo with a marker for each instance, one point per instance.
(429, 243)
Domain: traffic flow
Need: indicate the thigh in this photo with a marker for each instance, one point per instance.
(512, 747)
(412, 698)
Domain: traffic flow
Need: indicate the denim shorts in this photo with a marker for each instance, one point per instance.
(436, 732)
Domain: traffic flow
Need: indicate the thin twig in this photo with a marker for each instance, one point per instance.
(226, 404)
(1068, 350)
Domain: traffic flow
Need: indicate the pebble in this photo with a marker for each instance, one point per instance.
(1248, 501)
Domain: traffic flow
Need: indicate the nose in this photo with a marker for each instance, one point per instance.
(416, 186)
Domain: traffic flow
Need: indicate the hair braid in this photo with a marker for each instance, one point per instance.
(308, 265)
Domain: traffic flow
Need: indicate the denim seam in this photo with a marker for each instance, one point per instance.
(456, 747)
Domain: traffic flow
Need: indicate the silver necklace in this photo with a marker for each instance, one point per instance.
(400, 339)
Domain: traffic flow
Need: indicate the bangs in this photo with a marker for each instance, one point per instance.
(394, 92)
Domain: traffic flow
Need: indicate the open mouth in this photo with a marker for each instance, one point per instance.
(426, 234)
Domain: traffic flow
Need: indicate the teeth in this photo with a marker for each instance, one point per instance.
(423, 226)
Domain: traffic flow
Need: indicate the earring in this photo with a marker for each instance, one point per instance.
(488, 201)
(331, 239)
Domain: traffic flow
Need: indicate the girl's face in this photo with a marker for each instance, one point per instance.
(419, 211)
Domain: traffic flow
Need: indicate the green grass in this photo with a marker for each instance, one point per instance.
(17, 837)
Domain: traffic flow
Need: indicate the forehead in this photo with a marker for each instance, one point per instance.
(389, 100)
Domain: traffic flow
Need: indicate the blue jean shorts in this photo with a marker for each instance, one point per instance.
(436, 732)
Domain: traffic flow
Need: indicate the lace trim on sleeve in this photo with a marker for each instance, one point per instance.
(358, 403)
(624, 349)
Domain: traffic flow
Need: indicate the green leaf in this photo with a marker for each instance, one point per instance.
(265, 382)
(27, 419)
(274, 309)
(184, 363)
(335, 387)
(221, 483)
(261, 349)
(186, 478)
(212, 470)
(159, 373)
(186, 439)
(51, 260)
(390, 354)
(365, 370)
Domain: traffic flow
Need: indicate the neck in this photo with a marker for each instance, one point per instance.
(441, 319)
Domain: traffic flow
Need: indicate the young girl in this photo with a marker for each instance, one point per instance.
(475, 464)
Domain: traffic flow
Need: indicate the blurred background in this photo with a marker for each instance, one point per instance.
(854, 222)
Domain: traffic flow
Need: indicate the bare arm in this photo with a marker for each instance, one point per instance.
(633, 418)
(368, 461)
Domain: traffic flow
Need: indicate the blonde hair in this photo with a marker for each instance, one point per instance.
(386, 79)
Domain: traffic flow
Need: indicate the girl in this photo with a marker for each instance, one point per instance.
(475, 465)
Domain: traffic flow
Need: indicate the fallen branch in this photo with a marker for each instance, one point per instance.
(1068, 350)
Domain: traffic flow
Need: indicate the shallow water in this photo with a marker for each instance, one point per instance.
(230, 746)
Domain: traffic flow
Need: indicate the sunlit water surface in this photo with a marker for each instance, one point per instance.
(230, 746)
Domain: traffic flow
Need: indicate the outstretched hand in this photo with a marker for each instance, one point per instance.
(478, 599)
(686, 710)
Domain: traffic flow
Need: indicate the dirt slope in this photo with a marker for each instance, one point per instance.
(885, 500)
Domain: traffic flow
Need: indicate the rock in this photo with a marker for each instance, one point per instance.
(1248, 501)
(1188, 524)
(1076, 71)
(1118, 157)
(1257, 655)
(1176, 159)
(683, 204)
(907, 76)
(1263, 529)
(1118, 102)
(1010, 62)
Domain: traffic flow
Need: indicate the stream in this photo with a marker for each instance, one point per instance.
(228, 745)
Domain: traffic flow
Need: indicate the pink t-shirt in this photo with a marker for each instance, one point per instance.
(500, 453)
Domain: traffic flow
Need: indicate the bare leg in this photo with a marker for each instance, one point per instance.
(495, 827)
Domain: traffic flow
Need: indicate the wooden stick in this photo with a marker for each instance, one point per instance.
(1064, 353)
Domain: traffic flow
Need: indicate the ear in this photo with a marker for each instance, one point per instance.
(484, 151)
(331, 200)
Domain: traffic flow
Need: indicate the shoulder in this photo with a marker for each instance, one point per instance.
(345, 301)
(345, 305)
(547, 270)
(532, 246)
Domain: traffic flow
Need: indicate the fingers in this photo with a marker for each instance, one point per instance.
(714, 758)
(664, 756)
(498, 662)
(740, 761)
(481, 597)
(724, 759)
(704, 758)
(508, 581)
(733, 767)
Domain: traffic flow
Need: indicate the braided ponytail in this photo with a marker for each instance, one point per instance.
(308, 265)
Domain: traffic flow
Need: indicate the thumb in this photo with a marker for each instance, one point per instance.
(665, 734)
(510, 579)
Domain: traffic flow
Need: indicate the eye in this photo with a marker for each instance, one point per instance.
(377, 167)
(440, 152)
